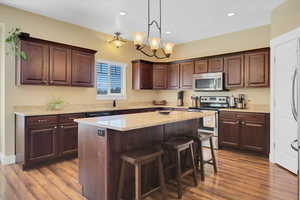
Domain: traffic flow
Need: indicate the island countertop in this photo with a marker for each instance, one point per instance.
(141, 120)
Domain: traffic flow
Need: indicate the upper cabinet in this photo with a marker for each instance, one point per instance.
(160, 72)
(234, 71)
(173, 76)
(201, 66)
(142, 75)
(186, 73)
(216, 64)
(257, 65)
(51, 63)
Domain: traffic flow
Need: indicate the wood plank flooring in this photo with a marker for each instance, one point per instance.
(241, 176)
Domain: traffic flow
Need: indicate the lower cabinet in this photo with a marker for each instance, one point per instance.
(245, 131)
(68, 139)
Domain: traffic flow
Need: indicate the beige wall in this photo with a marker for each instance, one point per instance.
(285, 17)
(2, 106)
(232, 42)
(49, 29)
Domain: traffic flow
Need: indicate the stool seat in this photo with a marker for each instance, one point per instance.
(142, 155)
(178, 143)
(204, 136)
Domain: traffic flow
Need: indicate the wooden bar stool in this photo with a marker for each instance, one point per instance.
(201, 162)
(178, 145)
(139, 158)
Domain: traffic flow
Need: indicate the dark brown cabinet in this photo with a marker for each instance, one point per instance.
(142, 75)
(83, 65)
(186, 73)
(42, 143)
(68, 139)
(216, 64)
(51, 63)
(201, 66)
(60, 66)
(257, 65)
(173, 76)
(160, 76)
(234, 71)
(246, 131)
(33, 70)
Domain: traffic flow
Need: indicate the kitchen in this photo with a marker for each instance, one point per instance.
(244, 56)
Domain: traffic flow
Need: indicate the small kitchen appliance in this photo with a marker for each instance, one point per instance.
(180, 98)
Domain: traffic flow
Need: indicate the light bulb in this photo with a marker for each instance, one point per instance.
(118, 43)
(168, 47)
(154, 43)
(138, 38)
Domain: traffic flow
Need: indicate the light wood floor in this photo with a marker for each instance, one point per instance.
(240, 177)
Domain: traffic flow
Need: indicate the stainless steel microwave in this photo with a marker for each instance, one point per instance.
(208, 82)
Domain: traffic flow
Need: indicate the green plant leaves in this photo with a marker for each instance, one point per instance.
(14, 41)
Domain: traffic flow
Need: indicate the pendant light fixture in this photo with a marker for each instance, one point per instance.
(117, 40)
(155, 43)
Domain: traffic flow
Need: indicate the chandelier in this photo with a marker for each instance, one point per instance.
(155, 43)
(117, 40)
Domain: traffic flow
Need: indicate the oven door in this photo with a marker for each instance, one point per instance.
(208, 82)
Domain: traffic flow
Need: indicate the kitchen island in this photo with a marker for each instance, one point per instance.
(102, 140)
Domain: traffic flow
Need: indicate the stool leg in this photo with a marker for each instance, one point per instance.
(179, 189)
(138, 182)
(213, 155)
(121, 181)
(201, 161)
(194, 166)
(162, 179)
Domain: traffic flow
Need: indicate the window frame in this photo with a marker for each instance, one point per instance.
(111, 96)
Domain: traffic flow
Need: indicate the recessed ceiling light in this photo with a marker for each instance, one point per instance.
(123, 13)
(168, 32)
(230, 14)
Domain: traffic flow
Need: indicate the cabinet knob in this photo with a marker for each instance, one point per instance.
(62, 126)
(55, 127)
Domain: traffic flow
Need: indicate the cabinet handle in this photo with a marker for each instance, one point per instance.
(55, 127)
(42, 120)
(243, 123)
(62, 126)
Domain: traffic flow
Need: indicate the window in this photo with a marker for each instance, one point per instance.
(110, 80)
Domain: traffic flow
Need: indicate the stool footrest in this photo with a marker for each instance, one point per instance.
(150, 192)
(190, 171)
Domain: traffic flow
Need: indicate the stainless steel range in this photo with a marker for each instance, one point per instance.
(210, 124)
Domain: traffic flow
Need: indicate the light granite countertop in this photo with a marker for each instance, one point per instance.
(42, 110)
(141, 120)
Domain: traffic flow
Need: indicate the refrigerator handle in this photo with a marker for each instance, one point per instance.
(293, 104)
(293, 145)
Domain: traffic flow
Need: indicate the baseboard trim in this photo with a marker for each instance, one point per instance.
(6, 160)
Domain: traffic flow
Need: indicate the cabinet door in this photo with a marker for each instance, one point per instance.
(34, 70)
(234, 71)
(160, 76)
(142, 75)
(83, 67)
(201, 66)
(216, 64)
(173, 76)
(186, 75)
(42, 144)
(68, 139)
(253, 136)
(229, 133)
(60, 66)
(257, 69)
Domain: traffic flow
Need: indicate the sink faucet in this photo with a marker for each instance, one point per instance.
(114, 103)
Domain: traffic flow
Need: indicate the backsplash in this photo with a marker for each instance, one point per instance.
(254, 96)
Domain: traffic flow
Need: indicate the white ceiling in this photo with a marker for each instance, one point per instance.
(187, 19)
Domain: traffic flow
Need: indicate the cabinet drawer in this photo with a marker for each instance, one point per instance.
(227, 115)
(42, 120)
(254, 117)
(69, 118)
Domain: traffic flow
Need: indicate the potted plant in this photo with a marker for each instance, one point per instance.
(14, 42)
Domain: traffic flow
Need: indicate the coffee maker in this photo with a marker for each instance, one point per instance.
(180, 98)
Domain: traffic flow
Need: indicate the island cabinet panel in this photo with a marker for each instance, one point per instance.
(216, 64)
(246, 131)
(60, 66)
(51, 63)
(257, 65)
(186, 74)
(142, 75)
(234, 71)
(173, 76)
(160, 76)
(201, 66)
(83, 67)
(33, 70)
